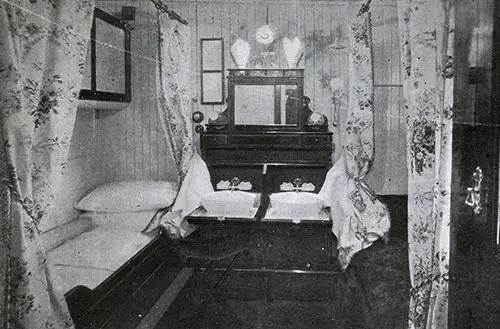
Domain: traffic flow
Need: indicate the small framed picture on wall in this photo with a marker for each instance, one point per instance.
(212, 71)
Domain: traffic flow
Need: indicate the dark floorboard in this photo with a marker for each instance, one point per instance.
(371, 293)
(269, 309)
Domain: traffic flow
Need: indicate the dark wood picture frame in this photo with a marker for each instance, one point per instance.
(98, 95)
(212, 71)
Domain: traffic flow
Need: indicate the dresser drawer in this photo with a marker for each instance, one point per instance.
(249, 140)
(316, 141)
(240, 156)
(215, 140)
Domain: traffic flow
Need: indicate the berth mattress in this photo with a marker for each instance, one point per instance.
(93, 256)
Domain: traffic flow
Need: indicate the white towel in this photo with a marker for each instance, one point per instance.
(355, 229)
(195, 185)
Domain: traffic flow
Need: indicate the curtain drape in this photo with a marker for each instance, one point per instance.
(426, 38)
(175, 95)
(358, 217)
(175, 99)
(43, 47)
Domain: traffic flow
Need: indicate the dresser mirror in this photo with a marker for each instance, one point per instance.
(265, 99)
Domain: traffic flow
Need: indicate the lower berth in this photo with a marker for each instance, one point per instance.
(86, 267)
(93, 256)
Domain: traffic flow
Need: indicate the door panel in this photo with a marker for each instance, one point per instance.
(474, 293)
(474, 284)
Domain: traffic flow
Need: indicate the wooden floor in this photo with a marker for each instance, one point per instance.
(286, 280)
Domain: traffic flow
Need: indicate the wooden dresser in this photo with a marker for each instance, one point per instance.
(268, 158)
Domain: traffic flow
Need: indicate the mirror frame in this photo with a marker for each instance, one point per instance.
(262, 77)
(98, 95)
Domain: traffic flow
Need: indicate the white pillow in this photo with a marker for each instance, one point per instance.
(128, 196)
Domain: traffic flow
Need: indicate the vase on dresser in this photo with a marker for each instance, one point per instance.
(293, 51)
(240, 50)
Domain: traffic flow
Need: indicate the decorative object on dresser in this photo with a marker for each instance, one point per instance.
(106, 82)
(293, 51)
(240, 50)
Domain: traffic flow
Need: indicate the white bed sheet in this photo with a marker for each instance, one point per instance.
(93, 256)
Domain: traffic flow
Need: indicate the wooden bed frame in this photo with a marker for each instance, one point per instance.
(92, 308)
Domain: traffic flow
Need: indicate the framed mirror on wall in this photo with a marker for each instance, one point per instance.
(212, 71)
(106, 83)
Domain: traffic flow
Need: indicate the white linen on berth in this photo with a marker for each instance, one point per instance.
(128, 220)
(91, 257)
(196, 184)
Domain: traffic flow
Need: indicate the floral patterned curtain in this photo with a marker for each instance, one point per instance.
(427, 49)
(43, 47)
(360, 218)
(175, 99)
(174, 92)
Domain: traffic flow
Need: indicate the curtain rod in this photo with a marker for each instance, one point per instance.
(171, 14)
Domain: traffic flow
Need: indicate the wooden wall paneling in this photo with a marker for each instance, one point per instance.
(257, 19)
(149, 106)
(342, 65)
(281, 14)
(395, 53)
(323, 66)
(233, 33)
(251, 21)
(381, 46)
(226, 28)
(140, 100)
(206, 28)
(394, 159)
(323, 80)
(102, 140)
(309, 27)
(382, 111)
(133, 118)
(333, 17)
(155, 130)
(377, 174)
(244, 14)
(192, 18)
(115, 157)
(217, 27)
(401, 131)
(300, 28)
(289, 18)
(398, 183)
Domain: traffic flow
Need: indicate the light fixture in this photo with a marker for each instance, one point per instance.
(265, 34)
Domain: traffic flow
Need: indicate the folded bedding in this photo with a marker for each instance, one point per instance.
(89, 258)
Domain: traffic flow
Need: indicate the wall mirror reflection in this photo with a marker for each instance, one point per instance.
(265, 98)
